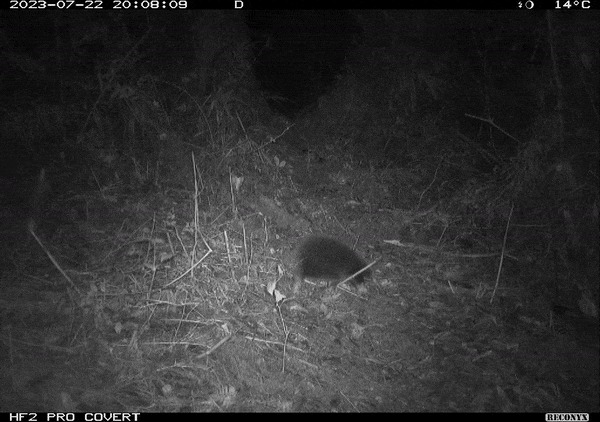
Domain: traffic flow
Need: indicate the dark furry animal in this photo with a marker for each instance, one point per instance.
(325, 259)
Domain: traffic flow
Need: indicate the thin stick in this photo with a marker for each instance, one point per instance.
(229, 253)
(232, 193)
(429, 186)
(196, 218)
(491, 123)
(512, 207)
(362, 270)
(54, 261)
(215, 347)
(194, 265)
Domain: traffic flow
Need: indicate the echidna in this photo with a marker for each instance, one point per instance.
(321, 258)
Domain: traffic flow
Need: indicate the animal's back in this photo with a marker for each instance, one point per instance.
(326, 259)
